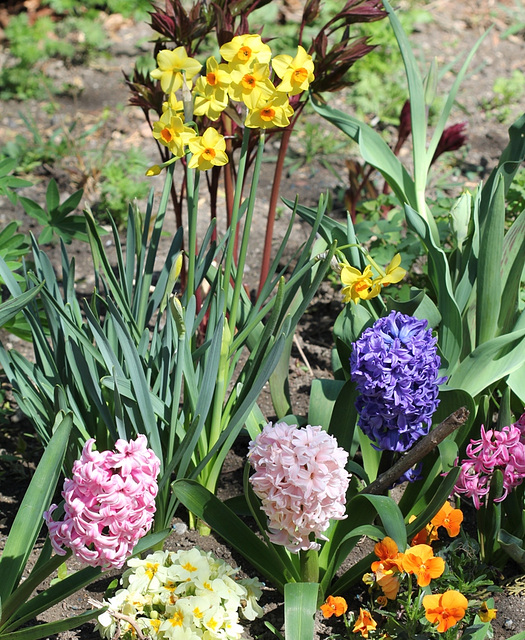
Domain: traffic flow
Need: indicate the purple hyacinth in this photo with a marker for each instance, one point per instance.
(395, 366)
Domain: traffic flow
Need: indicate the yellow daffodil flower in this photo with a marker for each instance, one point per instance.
(358, 286)
(251, 84)
(208, 150)
(275, 111)
(217, 75)
(246, 49)
(210, 92)
(173, 103)
(170, 67)
(393, 273)
(171, 132)
(296, 73)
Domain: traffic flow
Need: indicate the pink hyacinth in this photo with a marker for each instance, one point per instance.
(301, 479)
(504, 450)
(109, 503)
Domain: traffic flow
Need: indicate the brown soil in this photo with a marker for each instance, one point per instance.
(453, 31)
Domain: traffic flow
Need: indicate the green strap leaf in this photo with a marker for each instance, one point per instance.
(300, 605)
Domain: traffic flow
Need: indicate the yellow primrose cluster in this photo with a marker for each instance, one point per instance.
(245, 77)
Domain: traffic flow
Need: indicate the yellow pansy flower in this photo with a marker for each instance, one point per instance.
(246, 49)
(296, 73)
(485, 614)
(208, 150)
(274, 111)
(170, 67)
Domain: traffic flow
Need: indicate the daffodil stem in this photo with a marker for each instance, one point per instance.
(235, 214)
(309, 565)
(192, 178)
(246, 235)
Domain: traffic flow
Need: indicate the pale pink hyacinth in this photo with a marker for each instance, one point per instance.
(109, 503)
(504, 450)
(300, 477)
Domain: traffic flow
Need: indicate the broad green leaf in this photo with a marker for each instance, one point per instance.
(52, 196)
(477, 631)
(300, 605)
(323, 396)
(232, 529)
(51, 628)
(374, 150)
(488, 294)
(485, 365)
(512, 262)
(513, 546)
(28, 520)
(450, 330)
(509, 163)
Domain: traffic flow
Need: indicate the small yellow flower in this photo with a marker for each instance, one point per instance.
(274, 111)
(393, 273)
(246, 49)
(485, 614)
(296, 73)
(171, 66)
(251, 85)
(153, 171)
(171, 132)
(208, 150)
(358, 286)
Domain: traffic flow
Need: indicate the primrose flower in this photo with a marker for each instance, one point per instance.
(503, 450)
(334, 606)
(208, 150)
(171, 67)
(182, 594)
(420, 561)
(364, 623)
(447, 609)
(296, 73)
(246, 49)
(274, 111)
(109, 503)
(395, 367)
(301, 479)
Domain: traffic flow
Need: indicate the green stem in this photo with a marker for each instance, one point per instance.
(309, 565)
(246, 235)
(192, 178)
(235, 216)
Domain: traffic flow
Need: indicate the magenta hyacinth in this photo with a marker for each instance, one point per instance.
(300, 477)
(109, 503)
(504, 450)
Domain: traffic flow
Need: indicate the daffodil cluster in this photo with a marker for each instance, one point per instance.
(247, 75)
(180, 594)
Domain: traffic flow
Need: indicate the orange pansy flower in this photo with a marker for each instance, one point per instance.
(420, 560)
(449, 518)
(364, 623)
(425, 536)
(389, 583)
(334, 606)
(388, 554)
(447, 609)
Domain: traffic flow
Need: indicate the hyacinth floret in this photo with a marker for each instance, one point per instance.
(300, 477)
(503, 450)
(395, 367)
(109, 503)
